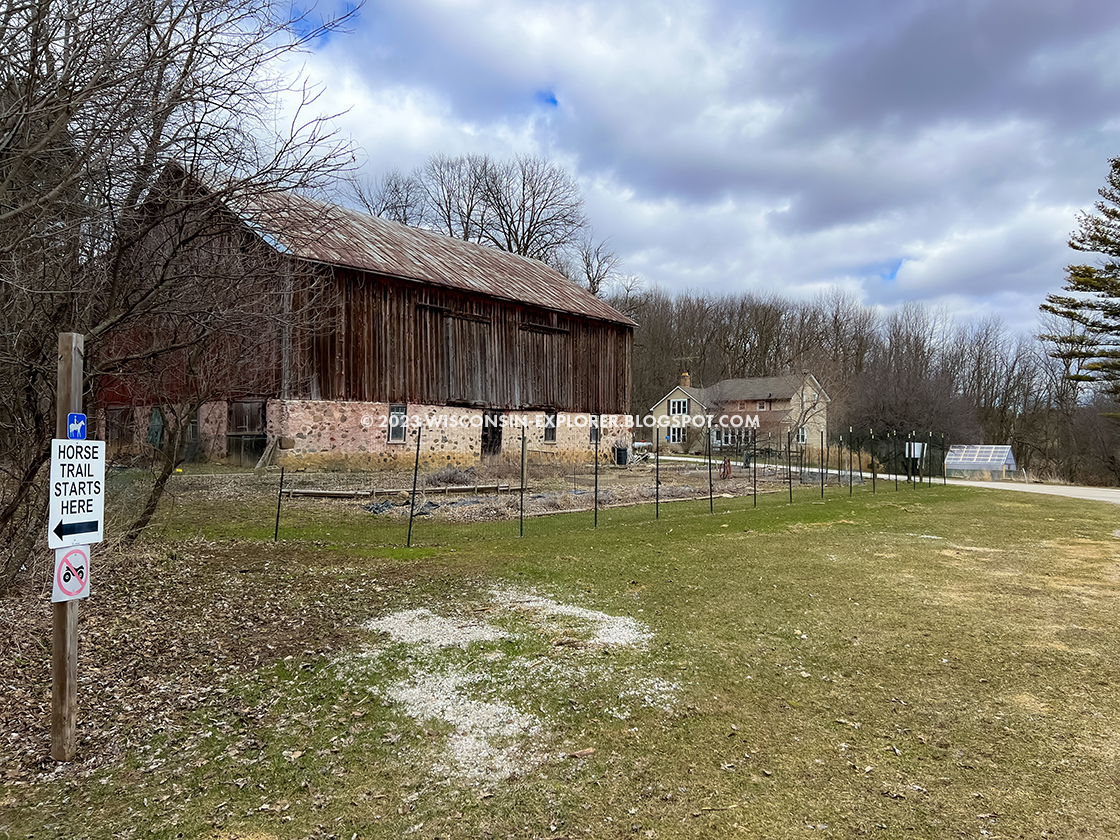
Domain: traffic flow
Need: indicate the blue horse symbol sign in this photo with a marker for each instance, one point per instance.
(76, 426)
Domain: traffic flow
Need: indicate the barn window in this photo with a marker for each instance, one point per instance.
(398, 422)
(762, 405)
(550, 427)
(594, 428)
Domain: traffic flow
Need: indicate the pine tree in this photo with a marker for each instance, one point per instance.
(1092, 307)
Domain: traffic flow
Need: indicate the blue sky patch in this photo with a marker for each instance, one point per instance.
(547, 98)
(887, 271)
(306, 21)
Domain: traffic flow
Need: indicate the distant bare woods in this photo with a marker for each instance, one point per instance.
(912, 369)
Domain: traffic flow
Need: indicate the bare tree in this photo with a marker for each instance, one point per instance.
(98, 104)
(751, 335)
(535, 208)
(526, 205)
(1056, 439)
(907, 385)
(394, 196)
(598, 263)
(625, 293)
(455, 195)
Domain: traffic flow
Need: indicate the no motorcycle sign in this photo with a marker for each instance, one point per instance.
(71, 573)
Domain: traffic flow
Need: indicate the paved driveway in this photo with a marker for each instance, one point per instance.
(1096, 494)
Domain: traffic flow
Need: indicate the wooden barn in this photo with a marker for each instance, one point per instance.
(413, 329)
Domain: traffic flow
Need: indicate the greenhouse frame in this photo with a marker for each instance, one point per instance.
(980, 462)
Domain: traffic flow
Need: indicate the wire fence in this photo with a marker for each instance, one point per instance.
(520, 490)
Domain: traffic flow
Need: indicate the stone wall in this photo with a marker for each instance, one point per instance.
(213, 420)
(318, 434)
(572, 441)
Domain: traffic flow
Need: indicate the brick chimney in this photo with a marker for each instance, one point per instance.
(686, 380)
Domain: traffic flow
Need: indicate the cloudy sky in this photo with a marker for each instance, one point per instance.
(928, 150)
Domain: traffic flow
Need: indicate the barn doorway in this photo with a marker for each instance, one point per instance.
(491, 433)
(246, 435)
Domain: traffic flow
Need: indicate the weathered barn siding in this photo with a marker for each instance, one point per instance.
(355, 317)
(399, 341)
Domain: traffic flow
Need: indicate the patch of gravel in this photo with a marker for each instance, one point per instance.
(493, 740)
(608, 629)
(473, 749)
(423, 626)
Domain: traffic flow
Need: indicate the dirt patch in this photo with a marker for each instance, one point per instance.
(1030, 704)
(548, 490)
(1081, 549)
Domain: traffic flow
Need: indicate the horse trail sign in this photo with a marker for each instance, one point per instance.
(76, 515)
(76, 426)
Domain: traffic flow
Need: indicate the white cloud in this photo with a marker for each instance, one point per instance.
(760, 144)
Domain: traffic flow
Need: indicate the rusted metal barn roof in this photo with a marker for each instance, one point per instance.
(333, 235)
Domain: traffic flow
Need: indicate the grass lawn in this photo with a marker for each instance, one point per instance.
(929, 663)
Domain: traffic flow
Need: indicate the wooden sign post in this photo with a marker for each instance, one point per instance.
(64, 643)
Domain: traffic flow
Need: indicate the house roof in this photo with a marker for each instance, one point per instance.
(748, 390)
(758, 388)
(333, 235)
(696, 394)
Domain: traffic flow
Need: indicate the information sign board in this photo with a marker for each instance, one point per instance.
(915, 450)
(76, 511)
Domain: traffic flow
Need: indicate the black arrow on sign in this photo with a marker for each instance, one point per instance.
(66, 529)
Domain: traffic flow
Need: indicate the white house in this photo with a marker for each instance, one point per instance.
(767, 410)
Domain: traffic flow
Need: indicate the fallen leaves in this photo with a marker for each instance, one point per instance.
(150, 654)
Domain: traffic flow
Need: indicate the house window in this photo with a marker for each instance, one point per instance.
(676, 434)
(803, 436)
(398, 422)
(762, 405)
(550, 427)
(678, 406)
